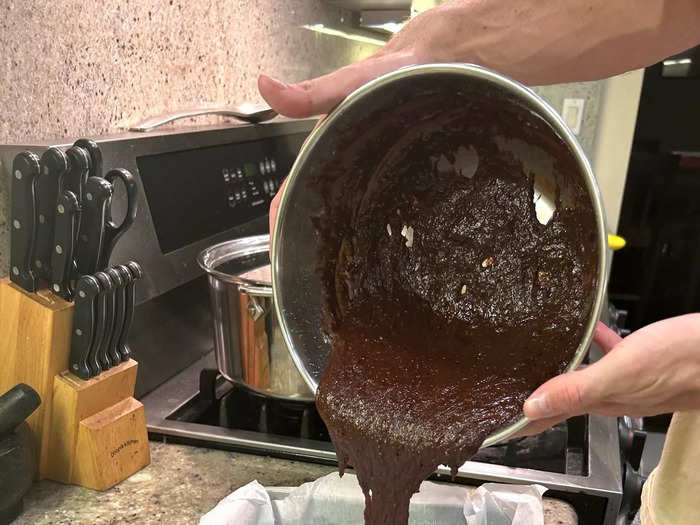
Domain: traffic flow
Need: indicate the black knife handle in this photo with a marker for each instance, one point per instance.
(93, 150)
(78, 168)
(119, 285)
(122, 294)
(86, 290)
(65, 231)
(136, 273)
(114, 231)
(53, 165)
(105, 319)
(98, 194)
(25, 170)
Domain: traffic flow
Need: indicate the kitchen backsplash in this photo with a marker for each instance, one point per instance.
(86, 68)
(72, 68)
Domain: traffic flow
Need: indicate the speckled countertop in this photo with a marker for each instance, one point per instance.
(180, 485)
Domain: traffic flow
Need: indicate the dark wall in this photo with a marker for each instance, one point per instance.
(669, 109)
(657, 275)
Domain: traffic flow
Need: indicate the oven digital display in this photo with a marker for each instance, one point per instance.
(194, 194)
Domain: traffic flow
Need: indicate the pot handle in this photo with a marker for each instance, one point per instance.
(16, 405)
(244, 112)
(256, 306)
(251, 289)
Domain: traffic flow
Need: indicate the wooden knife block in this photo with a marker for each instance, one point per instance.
(90, 433)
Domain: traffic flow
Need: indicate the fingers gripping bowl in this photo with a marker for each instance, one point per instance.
(403, 164)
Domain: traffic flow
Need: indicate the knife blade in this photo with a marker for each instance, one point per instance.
(98, 193)
(118, 279)
(86, 290)
(105, 320)
(78, 168)
(134, 269)
(52, 165)
(112, 231)
(95, 154)
(25, 170)
(65, 233)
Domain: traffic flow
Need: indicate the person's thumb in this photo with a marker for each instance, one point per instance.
(320, 95)
(567, 394)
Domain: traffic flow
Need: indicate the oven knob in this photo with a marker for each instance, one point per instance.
(632, 440)
(268, 166)
(261, 166)
(273, 165)
(239, 173)
(632, 484)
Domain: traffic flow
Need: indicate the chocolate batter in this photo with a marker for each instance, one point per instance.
(447, 302)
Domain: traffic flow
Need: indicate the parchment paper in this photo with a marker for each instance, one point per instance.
(332, 500)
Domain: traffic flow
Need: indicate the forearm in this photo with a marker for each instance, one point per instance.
(534, 41)
(550, 42)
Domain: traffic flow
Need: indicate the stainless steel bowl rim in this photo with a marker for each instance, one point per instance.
(212, 257)
(544, 110)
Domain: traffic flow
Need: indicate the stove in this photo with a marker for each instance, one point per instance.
(203, 185)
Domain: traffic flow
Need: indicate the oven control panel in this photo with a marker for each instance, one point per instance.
(194, 194)
(253, 183)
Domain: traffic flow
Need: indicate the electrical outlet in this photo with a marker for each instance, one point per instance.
(572, 113)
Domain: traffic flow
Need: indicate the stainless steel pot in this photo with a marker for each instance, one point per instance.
(248, 343)
(296, 286)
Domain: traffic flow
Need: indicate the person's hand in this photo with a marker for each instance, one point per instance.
(274, 205)
(532, 41)
(654, 370)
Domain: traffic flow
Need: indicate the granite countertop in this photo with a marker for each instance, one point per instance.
(180, 485)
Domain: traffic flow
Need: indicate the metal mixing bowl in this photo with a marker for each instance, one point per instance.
(296, 287)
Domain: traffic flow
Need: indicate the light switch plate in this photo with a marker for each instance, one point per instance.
(572, 113)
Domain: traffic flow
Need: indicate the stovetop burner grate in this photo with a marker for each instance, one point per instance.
(578, 461)
(233, 406)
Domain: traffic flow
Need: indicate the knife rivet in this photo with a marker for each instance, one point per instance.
(46, 170)
(18, 175)
(59, 250)
(78, 332)
(75, 366)
(42, 219)
(60, 208)
(88, 196)
(56, 288)
(82, 294)
(15, 270)
(37, 263)
(16, 224)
